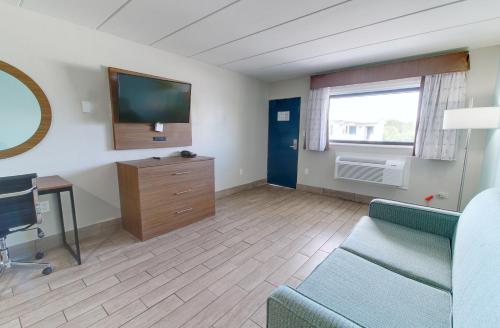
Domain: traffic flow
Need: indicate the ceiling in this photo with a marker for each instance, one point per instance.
(280, 39)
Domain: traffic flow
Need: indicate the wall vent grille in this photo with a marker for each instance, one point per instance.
(373, 170)
(359, 172)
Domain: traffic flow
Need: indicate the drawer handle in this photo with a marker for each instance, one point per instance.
(183, 192)
(184, 211)
(181, 173)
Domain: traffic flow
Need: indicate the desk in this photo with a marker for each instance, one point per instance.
(56, 185)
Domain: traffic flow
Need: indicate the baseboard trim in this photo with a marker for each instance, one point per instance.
(353, 197)
(247, 186)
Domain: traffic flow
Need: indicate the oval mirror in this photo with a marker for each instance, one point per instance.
(25, 114)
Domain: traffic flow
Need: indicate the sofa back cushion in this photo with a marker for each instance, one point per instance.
(476, 263)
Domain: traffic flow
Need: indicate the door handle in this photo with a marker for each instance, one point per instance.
(294, 145)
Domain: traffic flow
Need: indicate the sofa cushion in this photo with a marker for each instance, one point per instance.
(286, 307)
(372, 296)
(476, 263)
(415, 254)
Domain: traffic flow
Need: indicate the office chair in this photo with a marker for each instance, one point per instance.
(19, 211)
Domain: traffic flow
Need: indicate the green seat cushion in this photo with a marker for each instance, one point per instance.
(372, 296)
(415, 254)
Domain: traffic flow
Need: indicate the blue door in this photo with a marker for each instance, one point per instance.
(283, 144)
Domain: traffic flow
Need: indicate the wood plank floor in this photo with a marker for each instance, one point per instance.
(215, 273)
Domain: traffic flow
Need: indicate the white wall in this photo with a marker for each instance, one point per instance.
(229, 110)
(426, 177)
(491, 164)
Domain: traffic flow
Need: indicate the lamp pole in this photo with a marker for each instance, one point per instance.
(468, 119)
(464, 169)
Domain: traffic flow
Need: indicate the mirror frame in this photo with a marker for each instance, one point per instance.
(45, 111)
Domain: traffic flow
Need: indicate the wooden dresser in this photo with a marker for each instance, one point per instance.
(160, 195)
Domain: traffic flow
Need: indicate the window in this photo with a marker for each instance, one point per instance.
(380, 117)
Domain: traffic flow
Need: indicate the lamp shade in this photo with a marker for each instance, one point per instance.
(472, 118)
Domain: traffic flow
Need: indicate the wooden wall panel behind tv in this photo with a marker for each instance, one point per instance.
(140, 135)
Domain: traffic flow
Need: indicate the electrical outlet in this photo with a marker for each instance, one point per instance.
(443, 195)
(241, 171)
(44, 206)
(306, 171)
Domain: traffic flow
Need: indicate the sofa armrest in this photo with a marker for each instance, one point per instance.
(286, 307)
(432, 220)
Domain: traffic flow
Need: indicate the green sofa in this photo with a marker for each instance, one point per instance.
(404, 266)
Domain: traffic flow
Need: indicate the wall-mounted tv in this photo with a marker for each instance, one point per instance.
(143, 99)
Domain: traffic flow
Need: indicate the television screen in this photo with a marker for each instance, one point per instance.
(149, 100)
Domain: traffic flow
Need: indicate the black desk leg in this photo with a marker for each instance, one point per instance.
(61, 217)
(75, 227)
(76, 254)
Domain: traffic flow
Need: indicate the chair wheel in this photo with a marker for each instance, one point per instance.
(47, 270)
(39, 255)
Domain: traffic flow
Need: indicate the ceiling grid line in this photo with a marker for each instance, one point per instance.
(196, 21)
(379, 43)
(113, 14)
(270, 28)
(345, 31)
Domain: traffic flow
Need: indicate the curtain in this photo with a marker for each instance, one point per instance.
(316, 137)
(441, 92)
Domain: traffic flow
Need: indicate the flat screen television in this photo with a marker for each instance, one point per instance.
(142, 99)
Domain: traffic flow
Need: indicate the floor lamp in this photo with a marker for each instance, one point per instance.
(470, 118)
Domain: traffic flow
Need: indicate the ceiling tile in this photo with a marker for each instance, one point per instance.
(469, 36)
(242, 19)
(441, 18)
(89, 13)
(355, 14)
(147, 21)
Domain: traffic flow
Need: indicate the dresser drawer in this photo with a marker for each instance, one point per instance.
(163, 219)
(169, 195)
(159, 177)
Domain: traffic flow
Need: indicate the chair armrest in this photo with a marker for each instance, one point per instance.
(286, 307)
(428, 219)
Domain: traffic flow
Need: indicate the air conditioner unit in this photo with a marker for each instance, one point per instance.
(374, 170)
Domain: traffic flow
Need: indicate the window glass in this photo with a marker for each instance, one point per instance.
(374, 117)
